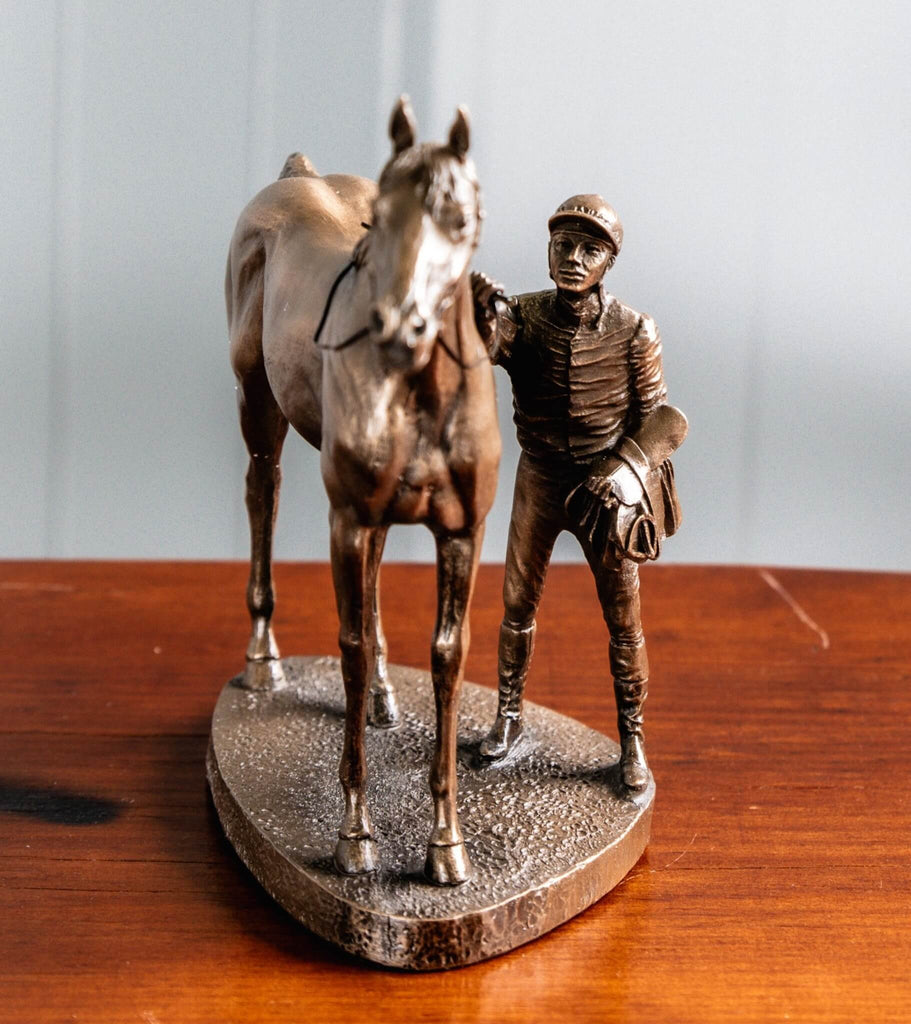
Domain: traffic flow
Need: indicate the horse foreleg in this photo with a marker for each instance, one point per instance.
(457, 562)
(264, 428)
(354, 576)
(383, 708)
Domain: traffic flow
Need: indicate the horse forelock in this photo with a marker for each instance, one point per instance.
(434, 172)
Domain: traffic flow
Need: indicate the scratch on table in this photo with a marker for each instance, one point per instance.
(796, 608)
(654, 871)
(682, 852)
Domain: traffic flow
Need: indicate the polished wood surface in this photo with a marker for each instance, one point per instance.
(777, 885)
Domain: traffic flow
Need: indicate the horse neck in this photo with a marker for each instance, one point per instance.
(458, 337)
(444, 377)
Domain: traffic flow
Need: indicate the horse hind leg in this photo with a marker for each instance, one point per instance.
(383, 706)
(264, 428)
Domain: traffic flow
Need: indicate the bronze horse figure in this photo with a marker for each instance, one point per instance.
(351, 318)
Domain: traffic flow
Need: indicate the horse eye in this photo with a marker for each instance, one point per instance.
(453, 221)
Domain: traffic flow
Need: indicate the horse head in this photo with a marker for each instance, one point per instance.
(426, 224)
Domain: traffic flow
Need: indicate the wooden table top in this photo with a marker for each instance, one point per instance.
(777, 885)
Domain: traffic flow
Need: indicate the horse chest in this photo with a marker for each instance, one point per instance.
(396, 473)
(426, 490)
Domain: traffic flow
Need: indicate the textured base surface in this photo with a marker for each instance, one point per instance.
(548, 830)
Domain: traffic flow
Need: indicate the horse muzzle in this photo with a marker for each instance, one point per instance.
(401, 337)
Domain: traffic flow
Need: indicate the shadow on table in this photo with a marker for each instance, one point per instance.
(55, 805)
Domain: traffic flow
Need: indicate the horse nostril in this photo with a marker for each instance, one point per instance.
(377, 322)
(420, 325)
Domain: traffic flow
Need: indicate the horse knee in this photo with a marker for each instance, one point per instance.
(352, 644)
(264, 474)
(439, 786)
(446, 652)
(260, 601)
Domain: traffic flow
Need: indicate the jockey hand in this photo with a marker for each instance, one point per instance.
(486, 292)
(619, 481)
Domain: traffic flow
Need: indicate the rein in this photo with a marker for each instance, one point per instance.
(362, 333)
(455, 357)
(352, 264)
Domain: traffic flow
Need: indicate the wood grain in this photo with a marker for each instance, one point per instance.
(777, 885)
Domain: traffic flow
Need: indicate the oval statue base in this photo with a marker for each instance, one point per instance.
(549, 830)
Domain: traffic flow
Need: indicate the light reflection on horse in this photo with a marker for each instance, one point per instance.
(398, 395)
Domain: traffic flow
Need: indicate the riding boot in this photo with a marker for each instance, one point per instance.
(629, 667)
(516, 649)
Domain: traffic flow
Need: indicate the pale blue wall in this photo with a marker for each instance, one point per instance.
(758, 155)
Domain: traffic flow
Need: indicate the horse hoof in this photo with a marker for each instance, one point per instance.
(447, 865)
(356, 856)
(383, 709)
(264, 674)
(503, 736)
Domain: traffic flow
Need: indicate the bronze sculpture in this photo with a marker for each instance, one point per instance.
(596, 431)
(354, 319)
(351, 318)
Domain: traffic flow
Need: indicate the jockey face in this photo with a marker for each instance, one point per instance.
(578, 259)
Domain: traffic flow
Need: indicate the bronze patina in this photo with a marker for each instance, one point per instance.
(351, 319)
(596, 431)
(354, 318)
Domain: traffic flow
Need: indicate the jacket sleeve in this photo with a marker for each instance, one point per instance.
(646, 371)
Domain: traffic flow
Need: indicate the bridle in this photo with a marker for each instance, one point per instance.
(354, 264)
(362, 333)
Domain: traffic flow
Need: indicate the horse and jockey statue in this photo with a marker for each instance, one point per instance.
(354, 317)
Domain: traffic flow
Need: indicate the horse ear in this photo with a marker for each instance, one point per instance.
(459, 133)
(402, 128)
